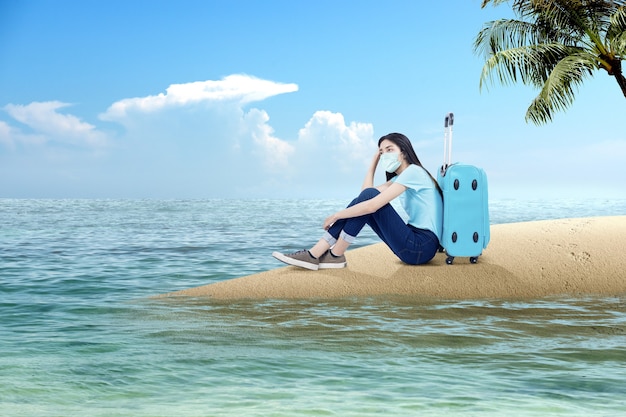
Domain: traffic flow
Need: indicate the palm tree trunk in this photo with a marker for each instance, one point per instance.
(621, 80)
(616, 71)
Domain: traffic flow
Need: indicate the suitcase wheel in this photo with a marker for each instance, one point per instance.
(472, 259)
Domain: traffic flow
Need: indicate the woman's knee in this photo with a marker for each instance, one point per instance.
(366, 194)
(369, 193)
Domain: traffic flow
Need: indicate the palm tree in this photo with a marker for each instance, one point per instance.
(554, 46)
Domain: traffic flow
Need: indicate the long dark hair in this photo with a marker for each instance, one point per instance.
(406, 148)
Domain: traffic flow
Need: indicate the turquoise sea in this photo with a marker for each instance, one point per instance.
(80, 334)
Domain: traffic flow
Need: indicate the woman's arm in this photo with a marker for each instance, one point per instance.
(391, 191)
(368, 182)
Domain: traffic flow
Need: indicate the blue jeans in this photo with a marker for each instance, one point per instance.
(412, 245)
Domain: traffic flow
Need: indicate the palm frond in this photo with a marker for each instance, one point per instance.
(494, 2)
(559, 89)
(531, 65)
(618, 20)
(503, 34)
(508, 46)
(554, 45)
(616, 32)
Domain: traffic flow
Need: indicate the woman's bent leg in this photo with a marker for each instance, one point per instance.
(337, 236)
(385, 222)
(356, 223)
(411, 245)
(319, 256)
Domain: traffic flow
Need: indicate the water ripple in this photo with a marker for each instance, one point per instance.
(79, 335)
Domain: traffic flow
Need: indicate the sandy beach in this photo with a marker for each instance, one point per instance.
(523, 260)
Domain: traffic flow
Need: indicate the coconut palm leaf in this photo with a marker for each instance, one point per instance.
(558, 92)
(554, 45)
(616, 32)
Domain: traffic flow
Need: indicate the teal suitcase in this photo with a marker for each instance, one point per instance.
(465, 205)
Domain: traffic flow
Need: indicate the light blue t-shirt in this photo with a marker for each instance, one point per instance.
(421, 200)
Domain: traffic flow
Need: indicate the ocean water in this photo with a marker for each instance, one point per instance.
(80, 334)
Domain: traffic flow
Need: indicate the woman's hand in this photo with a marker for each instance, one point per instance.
(330, 220)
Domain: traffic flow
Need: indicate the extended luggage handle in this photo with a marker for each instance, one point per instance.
(447, 142)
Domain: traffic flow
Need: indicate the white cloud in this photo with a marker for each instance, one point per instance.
(11, 137)
(237, 88)
(274, 151)
(328, 157)
(48, 124)
(196, 140)
(7, 136)
(210, 113)
(328, 138)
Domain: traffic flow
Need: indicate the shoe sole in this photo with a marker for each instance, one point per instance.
(334, 265)
(295, 262)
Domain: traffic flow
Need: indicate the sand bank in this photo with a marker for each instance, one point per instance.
(523, 260)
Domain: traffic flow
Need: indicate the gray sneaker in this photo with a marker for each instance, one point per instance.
(328, 261)
(302, 258)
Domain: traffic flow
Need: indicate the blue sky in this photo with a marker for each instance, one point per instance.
(274, 99)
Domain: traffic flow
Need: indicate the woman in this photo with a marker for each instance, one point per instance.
(414, 243)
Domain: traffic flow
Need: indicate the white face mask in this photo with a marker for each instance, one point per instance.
(390, 161)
